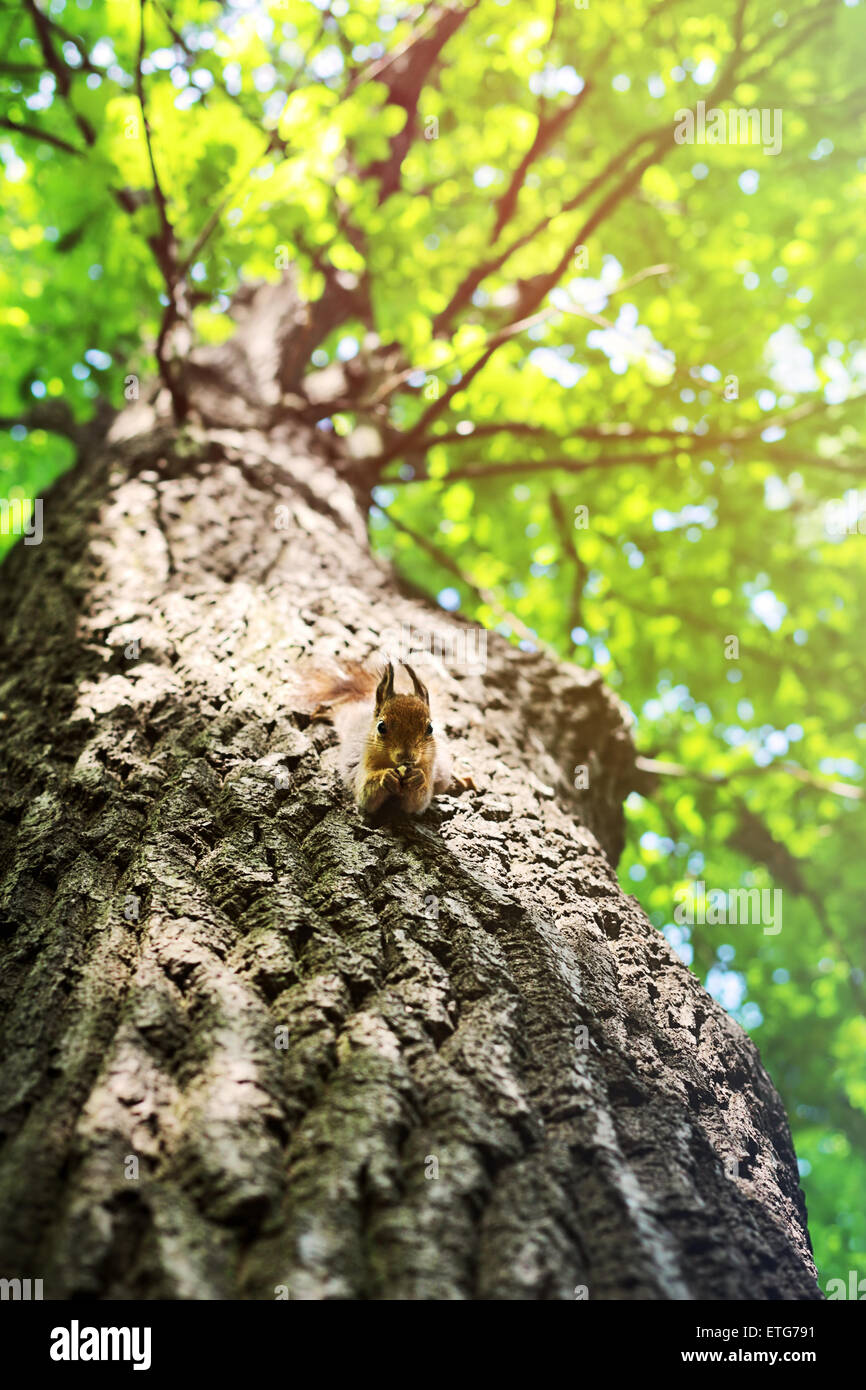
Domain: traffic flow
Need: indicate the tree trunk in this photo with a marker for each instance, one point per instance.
(499, 1081)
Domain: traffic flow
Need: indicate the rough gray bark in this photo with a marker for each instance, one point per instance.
(527, 1033)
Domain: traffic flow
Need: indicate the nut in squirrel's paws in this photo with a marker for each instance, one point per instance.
(401, 771)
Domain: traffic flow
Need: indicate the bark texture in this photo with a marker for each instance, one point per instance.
(500, 1082)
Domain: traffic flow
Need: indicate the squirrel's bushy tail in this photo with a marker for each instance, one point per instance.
(338, 683)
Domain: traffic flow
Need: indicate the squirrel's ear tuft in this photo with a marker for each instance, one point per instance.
(420, 690)
(385, 688)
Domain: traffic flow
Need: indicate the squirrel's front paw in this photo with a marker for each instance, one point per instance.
(377, 787)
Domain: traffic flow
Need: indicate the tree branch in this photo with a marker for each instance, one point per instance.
(604, 434)
(59, 68)
(462, 296)
(523, 467)
(34, 133)
(569, 545)
(662, 138)
(483, 595)
(654, 767)
(405, 73)
(546, 132)
(164, 248)
(54, 416)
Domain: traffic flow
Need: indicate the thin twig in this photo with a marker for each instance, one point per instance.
(659, 768)
(483, 595)
(164, 248)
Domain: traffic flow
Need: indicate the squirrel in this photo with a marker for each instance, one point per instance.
(389, 748)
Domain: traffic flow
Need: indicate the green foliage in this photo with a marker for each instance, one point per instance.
(694, 377)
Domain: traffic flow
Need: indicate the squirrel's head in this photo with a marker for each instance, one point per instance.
(402, 728)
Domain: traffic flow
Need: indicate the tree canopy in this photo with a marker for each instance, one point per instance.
(608, 381)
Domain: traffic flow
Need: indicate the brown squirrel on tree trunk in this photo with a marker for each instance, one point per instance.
(389, 748)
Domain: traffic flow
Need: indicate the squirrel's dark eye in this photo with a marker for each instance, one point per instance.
(381, 726)
(428, 731)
